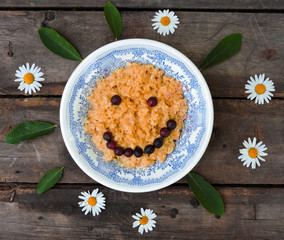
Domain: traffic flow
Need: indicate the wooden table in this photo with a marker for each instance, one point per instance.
(253, 198)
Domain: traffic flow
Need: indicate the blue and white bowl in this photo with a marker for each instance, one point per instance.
(193, 140)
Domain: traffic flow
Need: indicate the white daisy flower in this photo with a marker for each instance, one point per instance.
(29, 78)
(252, 153)
(165, 21)
(260, 89)
(92, 202)
(145, 220)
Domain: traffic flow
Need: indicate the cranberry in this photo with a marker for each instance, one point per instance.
(152, 101)
(158, 142)
(149, 149)
(118, 151)
(107, 136)
(128, 152)
(171, 124)
(138, 152)
(165, 132)
(116, 100)
(111, 144)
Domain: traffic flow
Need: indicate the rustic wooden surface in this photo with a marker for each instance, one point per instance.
(196, 36)
(250, 214)
(253, 198)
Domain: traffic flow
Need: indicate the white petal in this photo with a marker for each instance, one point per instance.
(253, 165)
(87, 211)
(32, 68)
(82, 204)
(37, 84)
(136, 224)
(23, 69)
(87, 195)
(171, 14)
(18, 79)
(152, 216)
(19, 74)
(257, 162)
(26, 89)
(22, 86)
(94, 193)
(135, 217)
(146, 228)
(141, 229)
(261, 158)
(28, 67)
(172, 30)
(38, 75)
(94, 211)
(33, 88)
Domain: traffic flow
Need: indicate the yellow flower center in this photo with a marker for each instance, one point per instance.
(29, 78)
(260, 88)
(144, 220)
(165, 21)
(253, 152)
(92, 201)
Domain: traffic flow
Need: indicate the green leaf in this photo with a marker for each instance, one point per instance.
(49, 180)
(113, 19)
(28, 131)
(206, 194)
(58, 44)
(226, 48)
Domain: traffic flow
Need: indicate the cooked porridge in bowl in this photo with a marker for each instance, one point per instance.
(137, 113)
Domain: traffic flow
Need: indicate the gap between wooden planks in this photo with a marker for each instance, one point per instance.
(137, 4)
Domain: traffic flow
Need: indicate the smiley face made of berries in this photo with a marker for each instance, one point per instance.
(137, 113)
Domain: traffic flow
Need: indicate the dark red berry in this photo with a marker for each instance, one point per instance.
(107, 136)
(138, 152)
(111, 145)
(152, 101)
(128, 152)
(165, 132)
(158, 142)
(171, 124)
(149, 149)
(116, 100)
(118, 151)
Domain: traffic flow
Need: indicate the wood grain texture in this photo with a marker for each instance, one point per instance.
(255, 213)
(159, 4)
(235, 121)
(261, 51)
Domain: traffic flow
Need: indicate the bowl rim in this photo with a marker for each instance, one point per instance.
(122, 43)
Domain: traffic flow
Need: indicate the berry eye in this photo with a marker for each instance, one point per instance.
(115, 100)
(152, 101)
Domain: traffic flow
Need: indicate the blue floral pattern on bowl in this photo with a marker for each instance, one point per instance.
(111, 173)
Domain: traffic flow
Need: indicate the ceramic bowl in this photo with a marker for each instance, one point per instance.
(194, 136)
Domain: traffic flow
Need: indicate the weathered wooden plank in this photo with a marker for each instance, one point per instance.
(160, 4)
(197, 34)
(251, 213)
(235, 121)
